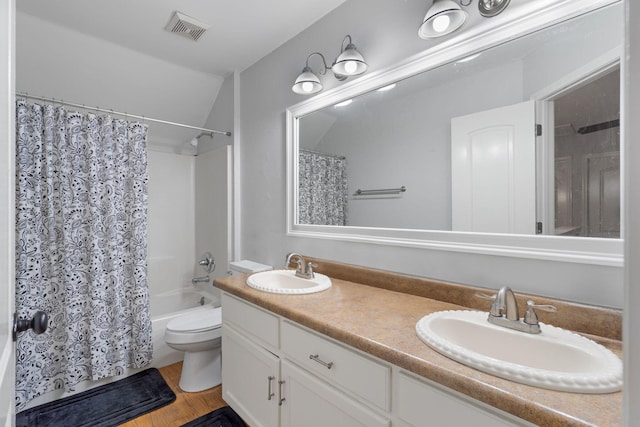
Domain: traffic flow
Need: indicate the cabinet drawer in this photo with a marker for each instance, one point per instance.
(253, 321)
(356, 373)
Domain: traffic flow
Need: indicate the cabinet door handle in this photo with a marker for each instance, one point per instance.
(282, 399)
(270, 392)
(322, 362)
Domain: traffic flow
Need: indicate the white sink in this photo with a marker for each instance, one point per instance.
(555, 359)
(286, 282)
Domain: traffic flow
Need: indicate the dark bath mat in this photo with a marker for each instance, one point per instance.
(104, 406)
(223, 417)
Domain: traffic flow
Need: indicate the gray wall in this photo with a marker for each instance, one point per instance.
(385, 32)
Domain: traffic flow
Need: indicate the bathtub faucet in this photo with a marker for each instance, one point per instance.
(203, 279)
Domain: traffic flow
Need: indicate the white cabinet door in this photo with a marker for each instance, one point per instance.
(250, 379)
(419, 404)
(310, 402)
(493, 170)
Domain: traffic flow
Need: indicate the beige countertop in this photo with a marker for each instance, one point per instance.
(381, 322)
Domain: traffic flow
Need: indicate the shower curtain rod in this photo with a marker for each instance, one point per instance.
(337, 156)
(102, 110)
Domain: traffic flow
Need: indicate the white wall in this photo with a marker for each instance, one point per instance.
(56, 62)
(211, 209)
(220, 118)
(601, 39)
(630, 132)
(384, 32)
(171, 221)
(214, 193)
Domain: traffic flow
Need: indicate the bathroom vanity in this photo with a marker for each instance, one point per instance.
(350, 356)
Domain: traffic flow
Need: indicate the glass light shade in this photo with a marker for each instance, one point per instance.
(307, 83)
(443, 17)
(349, 62)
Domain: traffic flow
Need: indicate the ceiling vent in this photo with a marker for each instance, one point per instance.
(186, 26)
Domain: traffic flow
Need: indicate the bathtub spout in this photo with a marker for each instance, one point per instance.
(203, 279)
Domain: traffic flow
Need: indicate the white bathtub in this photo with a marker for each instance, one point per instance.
(167, 306)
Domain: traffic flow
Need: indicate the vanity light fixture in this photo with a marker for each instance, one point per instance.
(442, 18)
(348, 63)
(491, 8)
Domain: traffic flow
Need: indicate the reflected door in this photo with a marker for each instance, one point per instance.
(493, 170)
(603, 195)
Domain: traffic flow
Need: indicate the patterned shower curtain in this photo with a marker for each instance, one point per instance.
(81, 246)
(322, 189)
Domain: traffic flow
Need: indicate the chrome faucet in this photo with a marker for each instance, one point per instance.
(505, 305)
(202, 279)
(304, 269)
(504, 312)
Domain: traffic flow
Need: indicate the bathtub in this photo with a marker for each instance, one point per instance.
(167, 306)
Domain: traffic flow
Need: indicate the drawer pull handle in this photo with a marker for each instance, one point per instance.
(322, 362)
(282, 399)
(270, 392)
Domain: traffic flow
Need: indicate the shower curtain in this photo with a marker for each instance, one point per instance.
(81, 219)
(322, 189)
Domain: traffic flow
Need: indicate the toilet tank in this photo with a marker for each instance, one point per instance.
(246, 266)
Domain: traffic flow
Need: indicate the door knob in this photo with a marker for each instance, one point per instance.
(38, 323)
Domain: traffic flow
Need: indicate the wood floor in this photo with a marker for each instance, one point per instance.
(187, 406)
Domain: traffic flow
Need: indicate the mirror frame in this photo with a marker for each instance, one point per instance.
(530, 17)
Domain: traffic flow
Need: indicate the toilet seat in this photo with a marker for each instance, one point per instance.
(204, 319)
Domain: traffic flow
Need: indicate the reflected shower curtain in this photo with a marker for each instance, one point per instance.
(81, 246)
(323, 189)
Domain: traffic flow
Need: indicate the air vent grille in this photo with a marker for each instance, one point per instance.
(186, 26)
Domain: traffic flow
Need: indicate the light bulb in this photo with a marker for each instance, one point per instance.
(307, 86)
(441, 23)
(350, 66)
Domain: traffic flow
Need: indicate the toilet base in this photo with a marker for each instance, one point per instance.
(200, 370)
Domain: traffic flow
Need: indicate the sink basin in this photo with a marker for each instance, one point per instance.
(286, 282)
(555, 359)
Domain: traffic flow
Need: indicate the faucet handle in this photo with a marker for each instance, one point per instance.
(530, 316)
(310, 267)
(495, 310)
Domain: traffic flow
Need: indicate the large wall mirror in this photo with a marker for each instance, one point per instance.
(510, 144)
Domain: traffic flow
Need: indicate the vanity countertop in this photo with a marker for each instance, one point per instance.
(381, 321)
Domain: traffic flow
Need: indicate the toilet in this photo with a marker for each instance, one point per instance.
(199, 334)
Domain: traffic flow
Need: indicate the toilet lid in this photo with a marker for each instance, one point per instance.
(203, 319)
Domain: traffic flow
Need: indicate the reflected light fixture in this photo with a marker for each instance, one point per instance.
(442, 18)
(468, 58)
(387, 87)
(343, 103)
(348, 63)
